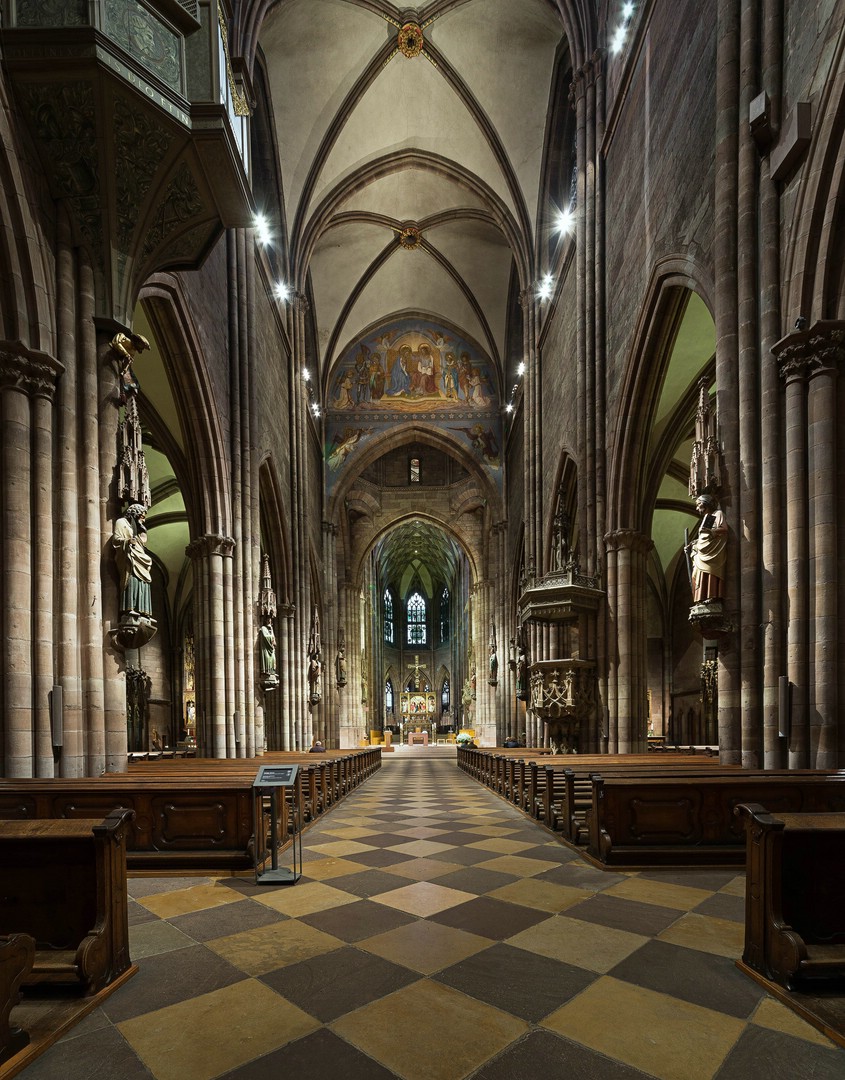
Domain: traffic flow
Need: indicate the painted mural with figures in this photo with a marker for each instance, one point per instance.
(413, 369)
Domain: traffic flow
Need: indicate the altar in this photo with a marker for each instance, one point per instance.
(417, 738)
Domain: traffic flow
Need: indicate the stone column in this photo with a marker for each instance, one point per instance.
(208, 554)
(26, 547)
(627, 604)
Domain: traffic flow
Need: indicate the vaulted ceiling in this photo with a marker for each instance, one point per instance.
(412, 155)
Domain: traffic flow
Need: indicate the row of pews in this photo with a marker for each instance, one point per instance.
(638, 810)
(191, 812)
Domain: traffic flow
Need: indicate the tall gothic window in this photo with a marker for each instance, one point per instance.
(388, 697)
(444, 615)
(416, 620)
(388, 617)
(444, 696)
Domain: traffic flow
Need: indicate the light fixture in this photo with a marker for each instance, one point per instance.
(627, 10)
(306, 374)
(282, 290)
(521, 369)
(262, 229)
(509, 407)
(315, 409)
(545, 287)
(565, 222)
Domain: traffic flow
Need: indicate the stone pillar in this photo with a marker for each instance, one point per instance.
(208, 554)
(628, 608)
(25, 380)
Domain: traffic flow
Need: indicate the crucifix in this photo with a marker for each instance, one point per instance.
(417, 667)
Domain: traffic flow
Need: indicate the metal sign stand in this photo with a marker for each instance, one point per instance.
(274, 779)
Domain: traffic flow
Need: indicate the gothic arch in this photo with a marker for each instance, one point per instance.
(208, 481)
(660, 319)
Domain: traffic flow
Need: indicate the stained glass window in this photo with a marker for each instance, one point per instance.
(388, 617)
(416, 620)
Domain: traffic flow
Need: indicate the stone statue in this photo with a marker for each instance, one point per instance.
(340, 667)
(521, 673)
(267, 647)
(134, 563)
(493, 677)
(127, 346)
(708, 551)
(315, 667)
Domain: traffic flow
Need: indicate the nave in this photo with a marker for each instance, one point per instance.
(438, 934)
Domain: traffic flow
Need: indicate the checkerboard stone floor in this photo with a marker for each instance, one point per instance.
(437, 933)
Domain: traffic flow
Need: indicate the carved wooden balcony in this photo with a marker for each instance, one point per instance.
(140, 122)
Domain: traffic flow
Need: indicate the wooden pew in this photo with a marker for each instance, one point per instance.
(64, 884)
(666, 821)
(794, 896)
(17, 955)
(190, 812)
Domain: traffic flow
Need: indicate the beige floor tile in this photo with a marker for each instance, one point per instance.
(304, 898)
(430, 1031)
(207, 1035)
(664, 1036)
(339, 848)
(423, 869)
(425, 946)
(542, 895)
(421, 848)
(184, 901)
(346, 832)
(489, 830)
(500, 844)
(582, 944)
(736, 887)
(720, 937)
(771, 1014)
(423, 898)
(268, 947)
(662, 893)
(325, 869)
(516, 865)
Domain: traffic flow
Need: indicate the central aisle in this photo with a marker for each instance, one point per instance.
(438, 934)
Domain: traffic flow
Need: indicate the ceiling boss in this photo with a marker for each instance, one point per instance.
(409, 39)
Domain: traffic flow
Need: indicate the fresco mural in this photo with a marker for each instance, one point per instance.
(413, 369)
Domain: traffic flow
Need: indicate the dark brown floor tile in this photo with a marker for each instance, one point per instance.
(516, 981)
(335, 983)
(244, 885)
(367, 883)
(723, 906)
(170, 977)
(104, 1055)
(138, 914)
(543, 1056)
(467, 856)
(381, 857)
(697, 977)
(228, 919)
(152, 886)
(775, 1056)
(458, 837)
(354, 922)
(692, 878)
(475, 879)
(381, 840)
(646, 919)
(580, 875)
(490, 918)
(320, 1055)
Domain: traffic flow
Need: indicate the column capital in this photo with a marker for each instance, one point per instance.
(210, 544)
(33, 373)
(300, 302)
(631, 539)
(805, 353)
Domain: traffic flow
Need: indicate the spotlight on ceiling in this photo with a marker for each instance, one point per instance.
(282, 291)
(545, 288)
(521, 369)
(306, 374)
(565, 222)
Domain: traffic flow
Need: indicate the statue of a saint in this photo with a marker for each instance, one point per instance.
(315, 667)
(522, 674)
(708, 551)
(134, 563)
(493, 677)
(340, 667)
(267, 647)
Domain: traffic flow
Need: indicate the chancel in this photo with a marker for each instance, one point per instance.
(442, 403)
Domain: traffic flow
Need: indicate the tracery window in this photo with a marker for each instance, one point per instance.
(444, 615)
(388, 697)
(444, 696)
(416, 620)
(388, 617)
